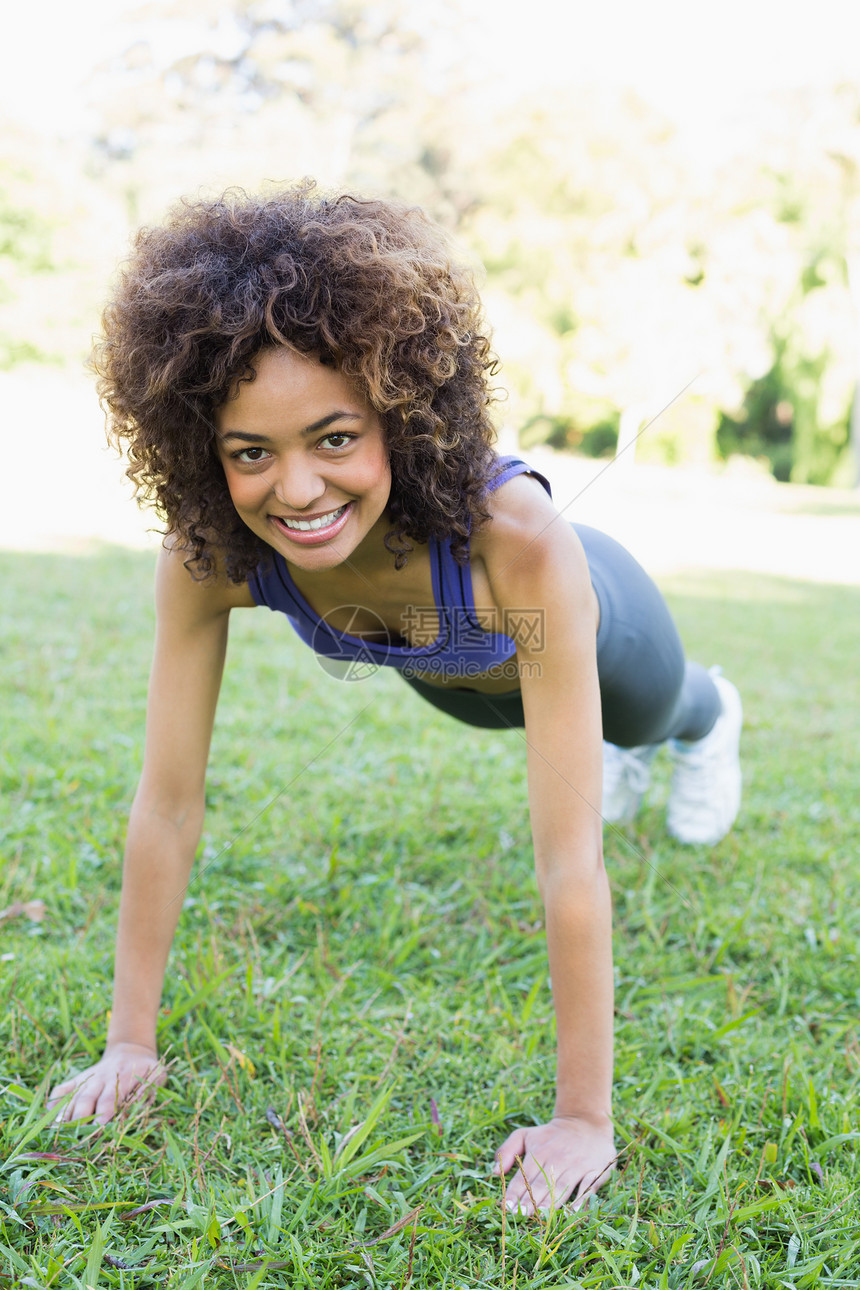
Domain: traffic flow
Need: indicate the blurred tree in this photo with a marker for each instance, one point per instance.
(629, 280)
(639, 266)
(799, 415)
(60, 234)
(25, 251)
(212, 94)
(807, 180)
(627, 257)
(762, 427)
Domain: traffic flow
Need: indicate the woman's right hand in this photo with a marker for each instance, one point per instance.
(163, 832)
(126, 1073)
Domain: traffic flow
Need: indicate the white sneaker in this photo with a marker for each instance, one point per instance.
(626, 776)
(705, 796)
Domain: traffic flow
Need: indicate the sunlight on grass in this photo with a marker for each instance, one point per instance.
(357, 1008)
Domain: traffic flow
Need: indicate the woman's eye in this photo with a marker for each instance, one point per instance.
(250, 456)
(338, 440)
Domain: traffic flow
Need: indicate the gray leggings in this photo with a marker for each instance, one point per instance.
(648, 691)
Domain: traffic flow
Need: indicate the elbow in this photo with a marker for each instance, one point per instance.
(177, 810)
(566, 876)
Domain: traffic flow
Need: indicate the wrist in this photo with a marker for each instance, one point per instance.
(597, 1119)
(130, 1023)
(136, 1043)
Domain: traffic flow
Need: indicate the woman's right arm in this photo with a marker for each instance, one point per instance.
(163, 832)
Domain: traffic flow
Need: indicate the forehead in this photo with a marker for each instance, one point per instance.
(287, 384)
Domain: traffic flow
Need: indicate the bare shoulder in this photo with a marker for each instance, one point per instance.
(181, 595)
(527, 543)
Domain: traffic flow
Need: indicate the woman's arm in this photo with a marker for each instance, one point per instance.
(163, 832)
(535, 563)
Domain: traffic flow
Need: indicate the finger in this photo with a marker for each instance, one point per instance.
(144, 1086)
(521, 1196)
(541, 1189)
(138, 1089)
(59, 1092)
(523, 1207)
(543, 1197)
(514, 1145)
(108, 1101)
(132, 1088)
(70, 1085)
(82, 1105)
(517, 1200)
(122, 1089)
(61, 1104)
(65, 1097)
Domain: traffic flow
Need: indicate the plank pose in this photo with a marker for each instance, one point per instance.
(301, 383)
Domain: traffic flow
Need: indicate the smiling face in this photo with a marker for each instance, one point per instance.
(305, 459)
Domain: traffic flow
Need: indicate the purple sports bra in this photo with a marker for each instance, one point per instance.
(462, 648)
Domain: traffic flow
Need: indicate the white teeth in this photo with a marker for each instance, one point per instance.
(306, 526)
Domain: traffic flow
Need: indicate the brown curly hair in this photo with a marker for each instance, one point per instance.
(370, 286)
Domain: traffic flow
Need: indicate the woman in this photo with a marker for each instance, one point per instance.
(302, 387)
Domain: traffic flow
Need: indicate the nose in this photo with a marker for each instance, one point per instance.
(300, 485)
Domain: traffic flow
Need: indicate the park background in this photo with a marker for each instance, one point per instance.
(662, 204)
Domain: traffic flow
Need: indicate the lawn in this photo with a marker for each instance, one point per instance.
(362, 945)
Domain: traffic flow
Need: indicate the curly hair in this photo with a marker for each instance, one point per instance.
(370, 286)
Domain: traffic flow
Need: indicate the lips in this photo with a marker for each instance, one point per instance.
(312, 531)
(321, 522)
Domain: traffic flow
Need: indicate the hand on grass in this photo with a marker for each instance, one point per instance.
(127, 1072)
(570, 1154)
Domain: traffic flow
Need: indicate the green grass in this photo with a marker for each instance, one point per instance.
(362, 945)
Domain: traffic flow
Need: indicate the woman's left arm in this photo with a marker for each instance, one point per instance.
(539, 579)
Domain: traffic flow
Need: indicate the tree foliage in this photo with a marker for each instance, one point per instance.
(626, 257)
(25, 251)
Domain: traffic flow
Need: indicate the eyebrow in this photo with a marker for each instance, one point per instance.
(314, 428)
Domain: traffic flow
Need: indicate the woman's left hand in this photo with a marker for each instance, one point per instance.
(570, 1154)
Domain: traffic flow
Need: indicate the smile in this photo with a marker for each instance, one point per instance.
(322, 522)
(319, 529)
